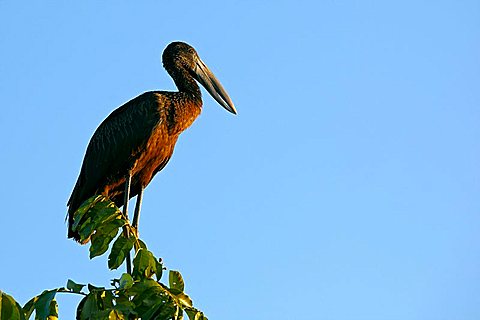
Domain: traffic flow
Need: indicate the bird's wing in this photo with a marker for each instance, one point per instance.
(115, 145)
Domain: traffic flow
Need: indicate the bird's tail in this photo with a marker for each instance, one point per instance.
(69, 218)
(73, 204)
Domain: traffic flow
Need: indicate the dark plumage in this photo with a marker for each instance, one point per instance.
(138, 138)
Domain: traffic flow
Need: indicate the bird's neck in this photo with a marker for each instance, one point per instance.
(187, 85)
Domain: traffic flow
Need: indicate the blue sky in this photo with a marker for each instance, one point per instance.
(346, 188)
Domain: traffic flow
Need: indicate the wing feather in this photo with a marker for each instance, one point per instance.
(115, 145)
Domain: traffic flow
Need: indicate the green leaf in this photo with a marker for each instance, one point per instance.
(80, 307)
(96, 304)
(126, 281)
(175, 280)
(42, 305)
(159, 272)
(86, 229)
(121, 247)
(103, 236)
(144, 265)
(110, 314)
(194, 314)
(140, 245)
(100, 315)
(161, 310)
(115, 315)
(9, 308)
(140, 286)
(88, 307)
(96, 212)
(74, 287)
(86, 205)
(29, 307)
(191, 314)
(105, 211)
(92, 288)
(123, 304)
(184, 300)
(98, 217)
(151, 301)
(107, 299)
(53, 310)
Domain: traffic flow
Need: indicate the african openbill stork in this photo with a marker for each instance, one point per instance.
(137, 139)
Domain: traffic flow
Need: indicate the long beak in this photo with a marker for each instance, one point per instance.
(213, 86)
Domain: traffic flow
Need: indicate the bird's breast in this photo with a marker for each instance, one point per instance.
(157, 151)
(174, 119)
(180, 115)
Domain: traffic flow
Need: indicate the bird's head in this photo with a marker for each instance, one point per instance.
(180, 57)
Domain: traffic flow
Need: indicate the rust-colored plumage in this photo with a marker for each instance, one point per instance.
(137, 139)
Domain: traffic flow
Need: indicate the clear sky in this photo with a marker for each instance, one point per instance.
(348, 187)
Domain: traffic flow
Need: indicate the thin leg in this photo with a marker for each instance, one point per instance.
(126, 196)
(128, 181)
(136, 215)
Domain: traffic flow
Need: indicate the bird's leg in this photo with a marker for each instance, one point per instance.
(136, 215)
(128, 181)
(126, 195)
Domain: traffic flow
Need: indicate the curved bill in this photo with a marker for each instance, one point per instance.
(213, 86)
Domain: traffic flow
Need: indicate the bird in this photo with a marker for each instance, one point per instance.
(137, 139)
